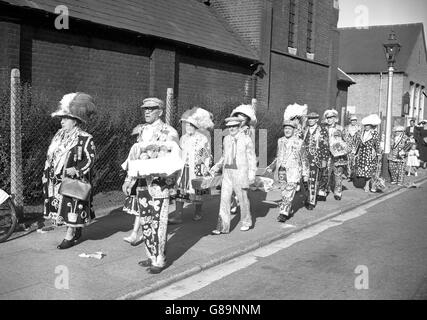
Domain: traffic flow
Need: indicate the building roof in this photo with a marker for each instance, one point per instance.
(186, 21)
(362, 51)
(342, 76)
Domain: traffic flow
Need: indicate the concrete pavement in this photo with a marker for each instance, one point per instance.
(378, 251)
(32, 268)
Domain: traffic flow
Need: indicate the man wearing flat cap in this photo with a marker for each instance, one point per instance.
(350, 136)
(338, 153)
(291, 165)
(316, 142)
(148, 198)
(238, 164)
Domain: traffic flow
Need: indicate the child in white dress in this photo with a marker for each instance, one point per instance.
(413, 161)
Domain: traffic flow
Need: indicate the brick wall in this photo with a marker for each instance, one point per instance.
(365, 94)
(323, 18)
(121, 74)
(216, 85)
(292, 81)
(244, 17)
(417, 69)
(162, 71)
(115, 74)
(9, 51)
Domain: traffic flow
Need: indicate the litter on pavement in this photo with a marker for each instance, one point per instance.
(97, 255)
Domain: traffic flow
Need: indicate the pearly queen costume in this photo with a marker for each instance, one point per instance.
(150, 196)
(69, 149)
(316, 142)
(196, 154)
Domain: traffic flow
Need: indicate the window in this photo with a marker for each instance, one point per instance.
(310, 26)
(292, 24)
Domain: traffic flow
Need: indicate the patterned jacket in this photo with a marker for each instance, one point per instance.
(195, 149)
(350, 136)
(336, 137)
(399, 148)
(157, 131)
(291, 156)
(317, 145)
(78, 151)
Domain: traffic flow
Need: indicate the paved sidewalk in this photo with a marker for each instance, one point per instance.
(31, 267)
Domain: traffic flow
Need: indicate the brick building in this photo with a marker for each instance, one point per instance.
(279, 51)
(362, 56)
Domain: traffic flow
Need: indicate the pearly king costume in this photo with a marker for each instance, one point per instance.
(238, 170)
(150, 195)
(400, 145)
(316, 142)
(196, 154)
(291, 165)
(69, 149)
(338, 160)
(350, 136)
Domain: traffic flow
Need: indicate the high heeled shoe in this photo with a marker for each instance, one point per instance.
(65, 244)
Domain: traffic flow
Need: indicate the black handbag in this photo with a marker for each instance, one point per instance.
(74, 188)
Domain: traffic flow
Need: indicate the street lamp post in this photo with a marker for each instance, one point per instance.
(391, 49)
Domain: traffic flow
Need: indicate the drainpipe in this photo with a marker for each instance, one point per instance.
(257, 72)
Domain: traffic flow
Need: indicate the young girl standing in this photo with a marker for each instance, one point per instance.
(413, 161)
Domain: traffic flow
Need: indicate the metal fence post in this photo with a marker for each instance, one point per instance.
(169, 106)
(16, 177)
(253, 131)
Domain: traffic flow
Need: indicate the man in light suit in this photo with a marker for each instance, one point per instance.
(238, 170)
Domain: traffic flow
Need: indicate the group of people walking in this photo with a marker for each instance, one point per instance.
(311, 156)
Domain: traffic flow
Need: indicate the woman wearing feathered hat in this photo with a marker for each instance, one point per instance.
(70, 154)
(368, 150)
(196, 152)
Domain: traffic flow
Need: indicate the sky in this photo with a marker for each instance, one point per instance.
(355, 13)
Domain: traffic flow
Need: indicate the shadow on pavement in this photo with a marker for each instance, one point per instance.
(189, 233)
(104, 227)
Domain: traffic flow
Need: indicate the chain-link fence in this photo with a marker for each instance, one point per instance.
(27, 129)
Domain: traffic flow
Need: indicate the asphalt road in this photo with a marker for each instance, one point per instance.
(379, 254)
